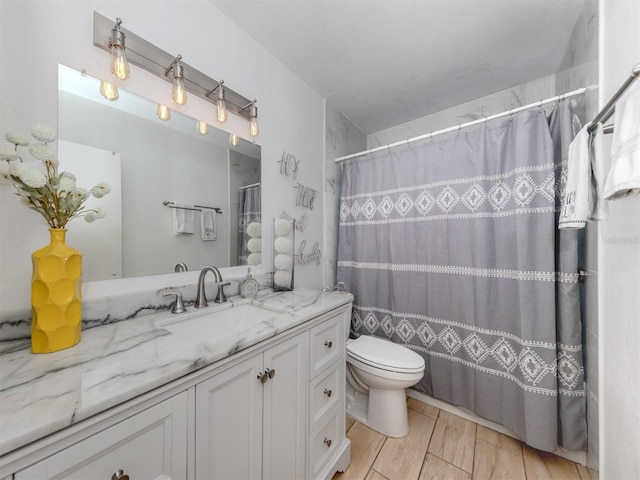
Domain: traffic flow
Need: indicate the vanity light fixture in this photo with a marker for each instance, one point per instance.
(184, 77)
(163, 112)
(119, 63)
(109, 91)
(178, 93)
(234, 140)
(221, 107)
(202, 127)
(254, 131)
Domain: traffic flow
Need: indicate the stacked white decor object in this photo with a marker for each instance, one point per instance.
(254, 245)
(283, 245)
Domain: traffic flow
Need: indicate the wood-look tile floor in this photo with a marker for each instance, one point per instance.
(442, 446)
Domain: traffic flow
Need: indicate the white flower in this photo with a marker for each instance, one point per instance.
(5, 176)
(32, 177)
(8, 154)
(17, 139)
(15, 168)
(80, 194)
(42, 152)
(68, 175)
(67, 183)
(94, 214)
(100, 190)
(43, 133)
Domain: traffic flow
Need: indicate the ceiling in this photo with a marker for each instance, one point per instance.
(386, 62)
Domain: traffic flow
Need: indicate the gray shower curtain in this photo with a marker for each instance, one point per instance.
(250, 211)
(451, 248)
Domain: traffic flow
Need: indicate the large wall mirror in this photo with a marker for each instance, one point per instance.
(153, 166)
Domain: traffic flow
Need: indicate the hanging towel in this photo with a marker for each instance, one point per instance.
(576, 202)
(208, 224)
(599, 174)
(182, 220)
(624, 174)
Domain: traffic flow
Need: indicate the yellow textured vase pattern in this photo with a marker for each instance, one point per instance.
(56, 295)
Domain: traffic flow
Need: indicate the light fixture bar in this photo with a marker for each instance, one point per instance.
(155, 60)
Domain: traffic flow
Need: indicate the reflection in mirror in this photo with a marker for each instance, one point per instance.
(152, 167)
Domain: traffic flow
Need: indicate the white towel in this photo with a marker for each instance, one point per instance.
(208, 224)
(600, 204)
(577, 202)
(182, 220)
(624, 175)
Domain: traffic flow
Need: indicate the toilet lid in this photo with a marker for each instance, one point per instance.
(385, 354)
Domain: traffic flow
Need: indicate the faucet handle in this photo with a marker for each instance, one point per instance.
(221, 297)
(178, 305)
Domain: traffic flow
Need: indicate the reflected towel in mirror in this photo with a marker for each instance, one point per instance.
(182, 219)
(208, 224)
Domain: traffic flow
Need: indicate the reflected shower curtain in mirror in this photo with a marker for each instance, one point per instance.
(250, 211)
(451, 248)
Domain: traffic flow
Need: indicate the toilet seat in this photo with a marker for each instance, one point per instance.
(384, 355)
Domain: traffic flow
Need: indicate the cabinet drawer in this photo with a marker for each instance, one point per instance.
(151, 444)
(324, 442)
(327, 342)
(327, 390)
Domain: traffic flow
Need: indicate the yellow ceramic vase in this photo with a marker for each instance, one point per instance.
(56, 296)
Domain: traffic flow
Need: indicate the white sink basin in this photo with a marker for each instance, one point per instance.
(219, 321)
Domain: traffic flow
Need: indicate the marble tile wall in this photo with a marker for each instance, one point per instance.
(342, 137)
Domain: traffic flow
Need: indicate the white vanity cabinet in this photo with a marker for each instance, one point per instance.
(151, 445)
(250, 419)
(273, 411)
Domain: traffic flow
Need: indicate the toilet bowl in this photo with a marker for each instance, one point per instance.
(378, 371)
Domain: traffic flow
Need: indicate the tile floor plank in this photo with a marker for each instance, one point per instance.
(500, 440)
(373, 475)
(401, 458)
(435, 468)
(453, 440)
(547, 466)
(423, 408)
(365, 445)
(583, 472)
(494, 463)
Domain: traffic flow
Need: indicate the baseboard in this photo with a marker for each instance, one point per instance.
(577, 457)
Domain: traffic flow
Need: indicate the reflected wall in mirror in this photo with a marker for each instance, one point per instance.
(147, 162)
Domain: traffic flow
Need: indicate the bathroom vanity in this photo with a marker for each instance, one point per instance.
(143, 399)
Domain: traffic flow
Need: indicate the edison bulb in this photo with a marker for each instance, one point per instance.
(119, 63)
(178, 93)
(253, 127)
(163, 112)
(221, 112)
(109, 91)
(202, 127)
(234, 140)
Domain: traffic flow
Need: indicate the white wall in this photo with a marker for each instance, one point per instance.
(619, 271)
(37, 35)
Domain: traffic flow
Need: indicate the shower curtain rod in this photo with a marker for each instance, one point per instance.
(540, 103)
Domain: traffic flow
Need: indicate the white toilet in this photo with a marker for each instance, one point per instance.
(378, 371)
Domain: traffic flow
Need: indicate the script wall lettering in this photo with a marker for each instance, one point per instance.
(289, 165)
(301, 223)
(306, 196)
(304, 258)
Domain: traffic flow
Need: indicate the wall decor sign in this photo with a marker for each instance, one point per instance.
(306, 196)
(301, 223)
(303, 257)
(289, 165)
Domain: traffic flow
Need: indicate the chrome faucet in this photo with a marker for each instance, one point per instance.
(201, 298)
(181, 267)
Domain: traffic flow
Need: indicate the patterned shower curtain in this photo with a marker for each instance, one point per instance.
(451, 248)
(250, 211)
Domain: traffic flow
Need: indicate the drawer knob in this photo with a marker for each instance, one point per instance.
(271, 373)
(328, 344)
(119, 475)
(327, 441)
(327, 392)
(263, 377)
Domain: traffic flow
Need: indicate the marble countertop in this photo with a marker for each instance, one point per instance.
(42, 394)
